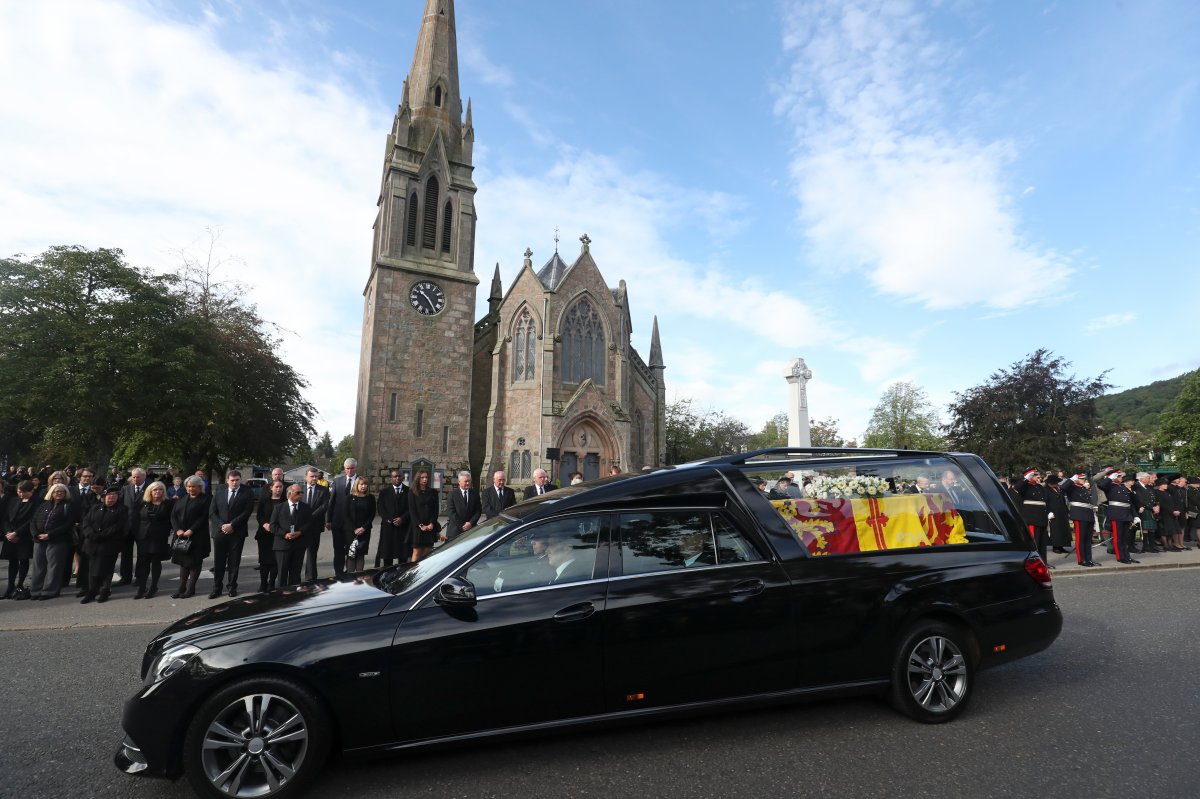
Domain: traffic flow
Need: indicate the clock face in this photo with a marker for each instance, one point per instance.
(427, 298)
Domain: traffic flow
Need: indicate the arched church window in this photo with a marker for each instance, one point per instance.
(447, 225)
(437, 96)
(524, 343)
(410, 234)
(514, 465)
(526, 465)
(583, 344)
(429, 228)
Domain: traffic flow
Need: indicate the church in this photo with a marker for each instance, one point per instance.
(547, 378)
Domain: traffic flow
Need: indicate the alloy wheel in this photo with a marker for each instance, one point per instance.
(254, 746)
(937, 674)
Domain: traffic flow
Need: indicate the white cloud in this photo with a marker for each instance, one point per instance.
(1110, 321)
(885, 186)
(123, 129)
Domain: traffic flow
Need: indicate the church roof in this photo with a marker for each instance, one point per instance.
(553, 272)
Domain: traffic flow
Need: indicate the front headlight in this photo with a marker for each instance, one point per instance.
(169, 662)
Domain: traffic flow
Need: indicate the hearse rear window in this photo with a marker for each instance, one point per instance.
(866, 507)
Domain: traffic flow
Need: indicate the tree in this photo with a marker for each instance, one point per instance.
(324, 447)
(110, 361)
(344, 449)
(1114, 449)
(1031, 414)
(774, 433)
(1179, 429)
(824, 433)
(303, 453)
(694, 434)
(904, 419)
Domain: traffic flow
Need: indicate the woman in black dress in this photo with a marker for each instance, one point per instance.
(423, 515)
(105, 531)
(17, 548)
(361, 514)
(189, 522)
(265, 537)
(153, 538)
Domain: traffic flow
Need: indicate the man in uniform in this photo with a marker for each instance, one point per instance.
(1078, 494)
(1121, 507)
(1035, 508)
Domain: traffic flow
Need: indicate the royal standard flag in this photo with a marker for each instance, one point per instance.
(838, 526)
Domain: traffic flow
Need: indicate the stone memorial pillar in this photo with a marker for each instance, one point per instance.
(798, 430)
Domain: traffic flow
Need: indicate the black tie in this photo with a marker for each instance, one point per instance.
(310, 493)
(293, 510)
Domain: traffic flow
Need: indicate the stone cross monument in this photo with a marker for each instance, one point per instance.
(798, 377)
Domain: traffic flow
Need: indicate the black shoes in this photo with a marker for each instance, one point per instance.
(103, 597)
(232, 593)
(178, 594)
(153, 592)
(87, 598)
(214, 594)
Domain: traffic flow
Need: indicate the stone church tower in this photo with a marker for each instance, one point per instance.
(414, 384)
(546, 379)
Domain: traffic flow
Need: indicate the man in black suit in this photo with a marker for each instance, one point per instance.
(498, 497)
(290, 523)
(465, 508)
(393, 529)
(83, 499)
(316, 497)
(228, 515)
(339, 512)
(132, 498)
(541, 484)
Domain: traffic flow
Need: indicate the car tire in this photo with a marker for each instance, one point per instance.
(933, 672)
(260, 736)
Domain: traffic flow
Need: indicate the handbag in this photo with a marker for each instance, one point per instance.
(181, 545)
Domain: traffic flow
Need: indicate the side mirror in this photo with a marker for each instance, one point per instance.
(457, 592)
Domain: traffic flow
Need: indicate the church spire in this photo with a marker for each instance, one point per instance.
(656, 361)
(433, 80)
(497, 294)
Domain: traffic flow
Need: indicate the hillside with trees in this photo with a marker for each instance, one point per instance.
(1138, 408)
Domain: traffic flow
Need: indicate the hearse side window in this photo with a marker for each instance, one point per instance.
(552, 553)
(840, 509)
(665, 540)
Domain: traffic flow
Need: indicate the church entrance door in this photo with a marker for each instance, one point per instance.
(591, 466)
(569, 464)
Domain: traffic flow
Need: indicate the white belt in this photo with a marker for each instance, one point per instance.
(1087, 505)
(1116, 504)
(1034, 502)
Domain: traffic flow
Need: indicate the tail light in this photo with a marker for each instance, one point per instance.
(1035, 567)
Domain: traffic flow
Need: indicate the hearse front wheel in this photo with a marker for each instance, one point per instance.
(258, 737)
(933, 674)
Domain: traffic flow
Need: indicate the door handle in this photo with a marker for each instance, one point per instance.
(575, 612)
(747, 588)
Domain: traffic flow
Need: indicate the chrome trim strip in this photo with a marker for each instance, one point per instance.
(538, 588)
(690, 569)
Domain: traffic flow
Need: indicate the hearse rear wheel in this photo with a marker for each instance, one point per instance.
(933, 674)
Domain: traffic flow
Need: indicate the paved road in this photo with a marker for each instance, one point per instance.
(1111, 710)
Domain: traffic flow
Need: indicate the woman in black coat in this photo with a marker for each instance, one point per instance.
(265, 536)
(189, 522)
(17, 547)
(423, 515)
(153, 538)
(53, 522)
(361, 515)
(104, 532)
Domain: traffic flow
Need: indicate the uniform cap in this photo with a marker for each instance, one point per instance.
(1079, 476)
(1029, 473)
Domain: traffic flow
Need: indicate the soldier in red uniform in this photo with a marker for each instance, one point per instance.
(1121, 507)
(1082, 515)
(1035, 509)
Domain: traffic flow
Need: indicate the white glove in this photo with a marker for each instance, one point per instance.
(1049, 516)
(1137, 522)
(498, 586)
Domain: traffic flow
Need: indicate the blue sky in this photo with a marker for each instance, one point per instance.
(892, 190)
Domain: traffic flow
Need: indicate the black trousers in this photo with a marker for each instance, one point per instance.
(339, 552)
(312, 543)
(227, 556)
(1083, 539)
(100, 573)
(288, 563)
(126, 571)
(1122, 538)
(1038, 534)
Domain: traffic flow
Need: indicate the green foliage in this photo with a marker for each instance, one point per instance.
(773, 434)
(1032, 414)
(1114, 449)
(825, 433)
(324, 447)
(344, 449)
(303, 453)
(107, 361)
(1139, 408)
(694, 434)
(1180, 426)
(904, 419)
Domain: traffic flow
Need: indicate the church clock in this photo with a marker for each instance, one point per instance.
(427, 298)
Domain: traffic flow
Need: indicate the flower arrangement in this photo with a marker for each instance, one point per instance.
(846, 487)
